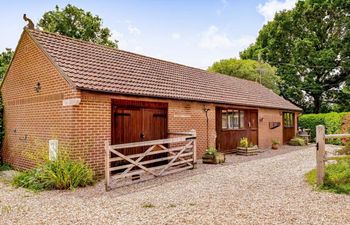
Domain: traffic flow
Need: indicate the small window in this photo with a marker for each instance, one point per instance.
(232, 119)
(241, 117)
(288, 119)
(224, 119)
(236, 119)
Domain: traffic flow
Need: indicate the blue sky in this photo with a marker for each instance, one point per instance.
(194, 33)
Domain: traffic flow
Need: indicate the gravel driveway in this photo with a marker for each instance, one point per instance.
(262, 191)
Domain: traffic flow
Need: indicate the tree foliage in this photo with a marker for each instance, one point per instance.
(77, 23)
(249, 70)
(310, 46)
(5, 59)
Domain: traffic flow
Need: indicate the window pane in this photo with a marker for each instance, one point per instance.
(241, 119)
(288, 119)
(236, 119)
(224, 119)
(230, 119)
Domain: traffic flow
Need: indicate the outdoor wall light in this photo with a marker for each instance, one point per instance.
(37, 88)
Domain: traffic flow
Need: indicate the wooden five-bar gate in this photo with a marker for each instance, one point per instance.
(160, 158)
(321, 153)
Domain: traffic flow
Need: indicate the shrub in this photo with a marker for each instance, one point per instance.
(297, 141)
(5, 166)
(63, 173)
(345, 150)
(332, 121)
(337, 178)
(275, 141)
(244, 143)
(59, 174)
(211, 151)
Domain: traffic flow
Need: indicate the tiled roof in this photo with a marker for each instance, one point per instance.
(98, 68)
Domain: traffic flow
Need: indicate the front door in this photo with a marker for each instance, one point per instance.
(288, 126)
(253, 126)
(138, 121)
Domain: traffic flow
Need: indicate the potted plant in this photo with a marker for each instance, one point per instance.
(212, 156)
(275, 143)
(247, 148)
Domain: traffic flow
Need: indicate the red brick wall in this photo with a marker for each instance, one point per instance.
(32, 118)
(184, 116)
(266, 135)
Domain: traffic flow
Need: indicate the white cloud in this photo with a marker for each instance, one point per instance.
(134, 30)
(175, 36)
(122, 42)
(213, 39)
(269, 8)
(224, 4)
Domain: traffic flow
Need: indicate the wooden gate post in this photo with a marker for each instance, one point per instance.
(320, 154)
(107, 165)
(194, 134)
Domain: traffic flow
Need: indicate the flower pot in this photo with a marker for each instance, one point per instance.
(217, 158)
(274, 146)
(248, 150)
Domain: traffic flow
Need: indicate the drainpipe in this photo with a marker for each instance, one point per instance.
(206, 115)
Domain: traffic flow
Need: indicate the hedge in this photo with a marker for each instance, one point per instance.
(332, 121)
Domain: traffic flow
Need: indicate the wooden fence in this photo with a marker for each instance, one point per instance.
(168, 156)
(321, 153)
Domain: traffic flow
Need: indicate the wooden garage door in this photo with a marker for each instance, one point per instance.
(134, 121)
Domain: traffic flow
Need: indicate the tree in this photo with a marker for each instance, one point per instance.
(76, 23)
(249, 70)
(5, 59)
(310, 46)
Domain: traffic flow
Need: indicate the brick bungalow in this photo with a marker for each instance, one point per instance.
(82, 94)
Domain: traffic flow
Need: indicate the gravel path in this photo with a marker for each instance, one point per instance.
(262, 191)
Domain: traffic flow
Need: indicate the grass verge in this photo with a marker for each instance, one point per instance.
(337, 177)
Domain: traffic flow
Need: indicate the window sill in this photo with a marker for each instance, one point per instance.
(241, 129)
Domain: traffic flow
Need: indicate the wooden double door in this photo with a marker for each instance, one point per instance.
(234, 124)
(135, 121)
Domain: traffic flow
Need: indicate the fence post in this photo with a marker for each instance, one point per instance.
(194, 134)
(107, 165)
(320, 154)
